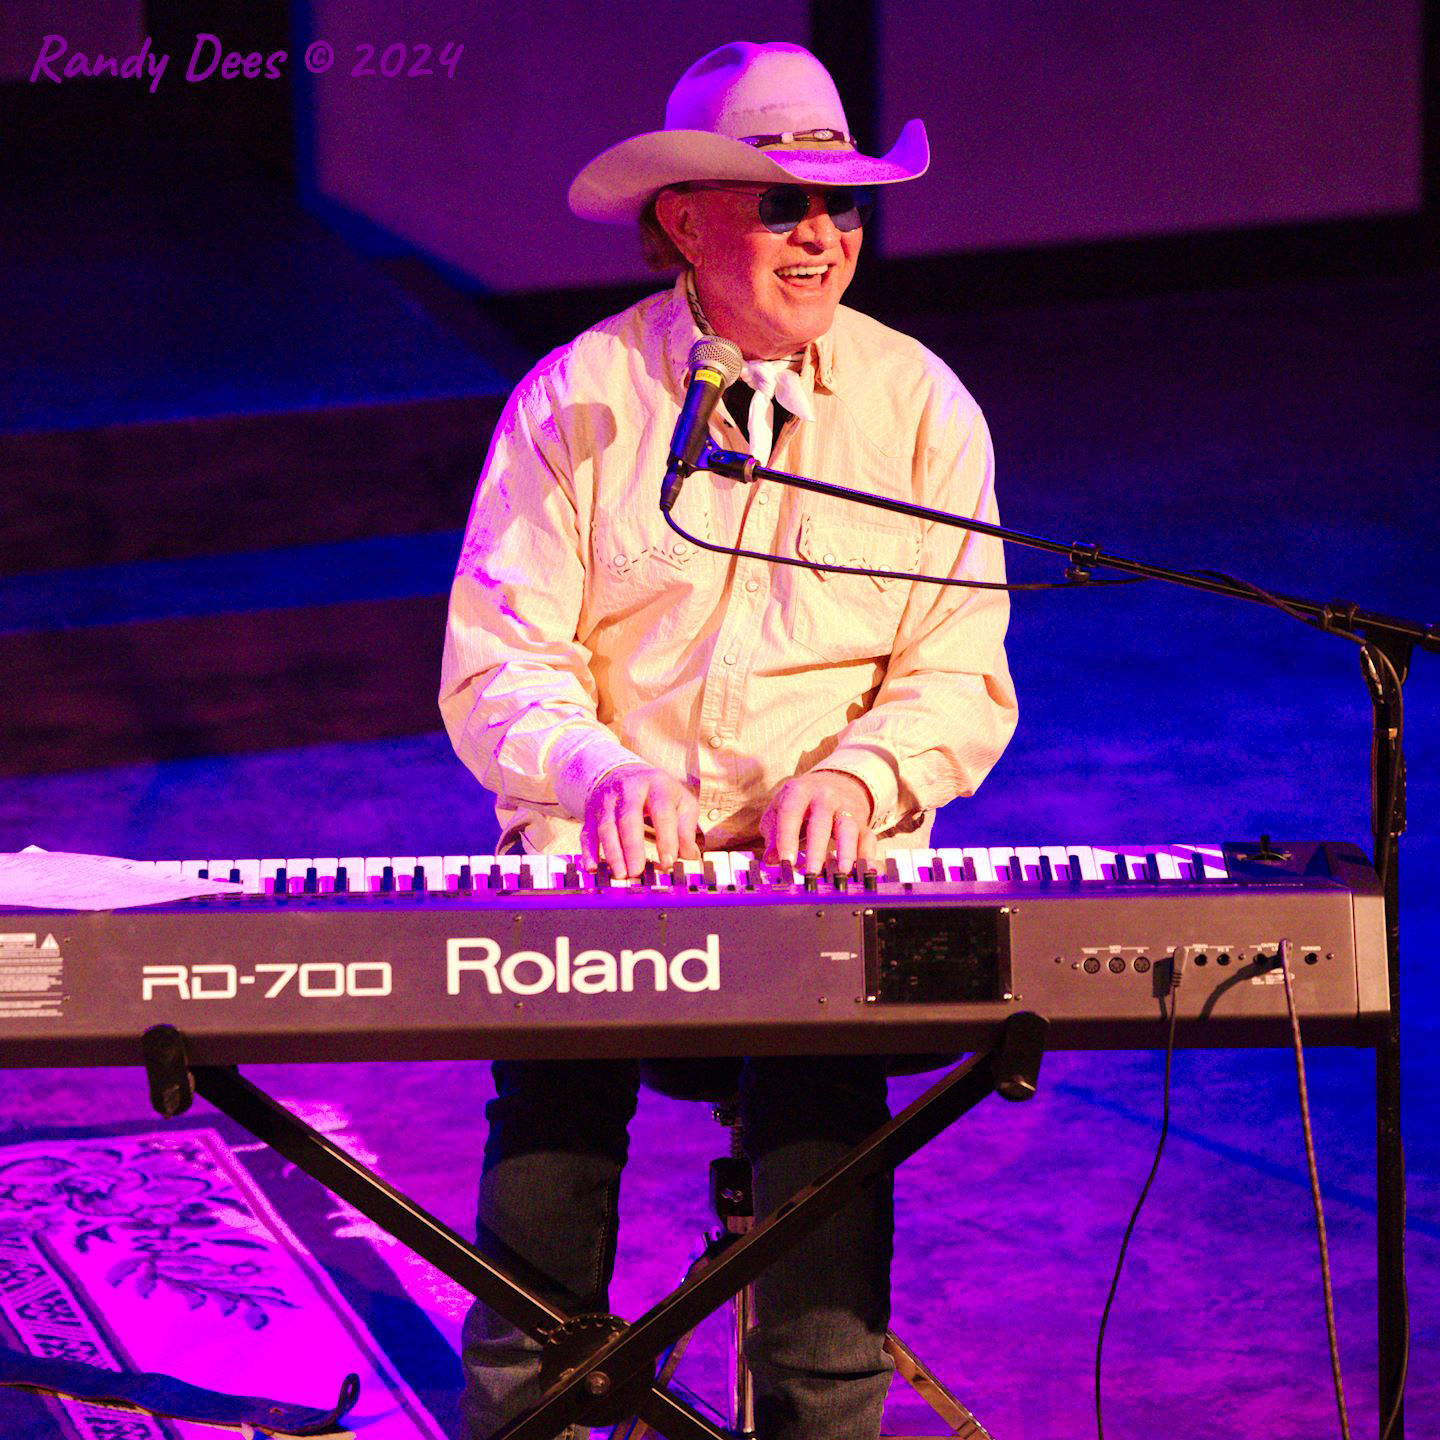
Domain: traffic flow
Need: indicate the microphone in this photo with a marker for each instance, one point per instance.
(715, 364)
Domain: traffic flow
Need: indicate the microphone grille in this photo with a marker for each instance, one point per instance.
(719, 354)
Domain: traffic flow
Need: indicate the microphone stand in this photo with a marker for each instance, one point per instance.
(1386, 644)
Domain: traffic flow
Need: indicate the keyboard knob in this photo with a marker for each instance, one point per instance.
(387, 880)
(282, 881)
(466, 879)
(872, 880)
(418, 880)
(342, 879)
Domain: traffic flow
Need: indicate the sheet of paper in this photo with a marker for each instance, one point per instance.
(59, 880)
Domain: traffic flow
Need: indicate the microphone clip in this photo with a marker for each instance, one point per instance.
(730, 463)
(733, 464)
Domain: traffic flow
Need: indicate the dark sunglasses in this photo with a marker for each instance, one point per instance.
(783, 207)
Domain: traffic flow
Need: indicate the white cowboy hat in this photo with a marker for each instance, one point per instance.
(768, 113)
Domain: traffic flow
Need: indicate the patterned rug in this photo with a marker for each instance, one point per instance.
(190, 1249)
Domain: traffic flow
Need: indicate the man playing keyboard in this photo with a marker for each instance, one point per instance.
(629, 695)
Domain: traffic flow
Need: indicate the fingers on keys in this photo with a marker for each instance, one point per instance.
(826, 827)
(616, 814)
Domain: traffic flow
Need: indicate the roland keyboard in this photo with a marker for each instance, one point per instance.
(454, 956)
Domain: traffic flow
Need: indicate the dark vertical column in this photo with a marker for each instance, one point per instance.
(1388, 816)
(845, 34)
(1430, 128)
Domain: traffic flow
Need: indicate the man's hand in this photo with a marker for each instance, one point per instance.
(613, 829)
(824, 807)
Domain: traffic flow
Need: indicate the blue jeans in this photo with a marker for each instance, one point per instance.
(559, 1136)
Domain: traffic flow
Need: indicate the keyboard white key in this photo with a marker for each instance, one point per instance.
(481, 868)
(250, 876)
(924, 862)
(904, 861)
(724, 871)
(1211, 857)
(1165, 859)
(295, 873)
(1059, 858)
(743, 865)
(354, 868)
(434, 869)
(953, 861)
(979, 855)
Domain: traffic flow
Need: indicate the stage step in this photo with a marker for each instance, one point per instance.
(162, 490)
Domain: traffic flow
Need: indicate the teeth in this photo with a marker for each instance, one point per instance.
(803, 270)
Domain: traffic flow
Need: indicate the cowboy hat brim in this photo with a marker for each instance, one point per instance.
(619, 182)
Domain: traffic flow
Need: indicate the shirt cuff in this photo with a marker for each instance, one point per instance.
(578, 761)
(876, 772)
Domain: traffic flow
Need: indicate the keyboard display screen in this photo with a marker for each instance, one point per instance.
(928, 955)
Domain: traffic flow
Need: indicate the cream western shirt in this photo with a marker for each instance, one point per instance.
(583, 633)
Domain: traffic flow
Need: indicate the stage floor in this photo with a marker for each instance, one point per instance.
(1287, 434)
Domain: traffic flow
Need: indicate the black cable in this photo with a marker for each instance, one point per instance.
(1314, 1170)
(1078, 583)
(1381, 674)
(1177, 971)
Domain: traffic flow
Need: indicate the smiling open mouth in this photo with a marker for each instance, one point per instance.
(804, 274)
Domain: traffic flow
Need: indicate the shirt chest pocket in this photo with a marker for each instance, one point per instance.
(849, 617)
(638, 558)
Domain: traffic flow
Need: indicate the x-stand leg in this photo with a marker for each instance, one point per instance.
(597, 1368)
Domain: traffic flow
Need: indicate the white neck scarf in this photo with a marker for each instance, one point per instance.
(772, 380)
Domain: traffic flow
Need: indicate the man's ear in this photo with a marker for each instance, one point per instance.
(676, 212)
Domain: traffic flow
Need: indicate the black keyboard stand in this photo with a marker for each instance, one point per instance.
(600, 1370)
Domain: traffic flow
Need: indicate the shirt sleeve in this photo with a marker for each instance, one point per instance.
(946, 708)
(516, 692)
